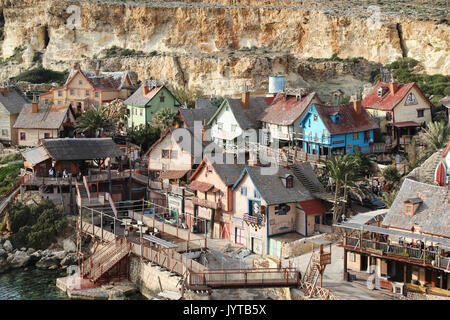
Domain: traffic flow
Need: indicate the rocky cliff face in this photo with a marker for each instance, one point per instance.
(200, 44)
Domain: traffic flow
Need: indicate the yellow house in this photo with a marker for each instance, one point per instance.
(85, 89)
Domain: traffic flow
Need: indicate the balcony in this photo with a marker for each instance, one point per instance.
(206, 203)
(252, 219)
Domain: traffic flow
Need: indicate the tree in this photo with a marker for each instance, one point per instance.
(164, 119)
(391, 174)
(115, 112)
(344, 170)
(388, 198)
(436, 135)
(144, 136)
(92, 122)
(185, 96)
(364, 164)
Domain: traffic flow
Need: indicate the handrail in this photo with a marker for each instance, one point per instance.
(86, 186)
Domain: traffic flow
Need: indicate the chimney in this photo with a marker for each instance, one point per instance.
(393, 86)
(211, 98)
(145, 88)
(357, 104)
(34, 105)
(97, 69)
(4, 91)
(245, 97)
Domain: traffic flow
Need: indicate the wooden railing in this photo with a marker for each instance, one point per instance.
(252, 219)
(206, 203)
(416, 255)
(245, 277)
(317, 292)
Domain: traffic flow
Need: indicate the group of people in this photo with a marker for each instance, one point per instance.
(65, 174)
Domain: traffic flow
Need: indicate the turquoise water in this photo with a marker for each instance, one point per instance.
(33, 284)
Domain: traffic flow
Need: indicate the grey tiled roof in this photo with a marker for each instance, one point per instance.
(248, 118)
(229, 173)
(138, 98)
(14, 100)
(305, 173)
(273, 191)
(81, 148)
(425, 173)
(201, 103)
(433, 215)
(35, 155)
(47, 117)
(191, 115)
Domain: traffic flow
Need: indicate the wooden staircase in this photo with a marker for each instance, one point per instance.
(103, 261)
(311, 276)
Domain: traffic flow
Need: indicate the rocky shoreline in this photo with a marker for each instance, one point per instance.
(49, 259)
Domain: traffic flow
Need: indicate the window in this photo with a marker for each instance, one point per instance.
(411, 99)
(161, 98)
(219, 126)
(46, 101)
(420, 113)
(87, 93)
(96, 94)
(256, 194)
(5, 132)
(315, 117)
(141, 113)
(366, 136)
(59, 102)
(165, 154)
(72, 92)
(244, 191)
(96, 105)
(22, 136)
(233, 128)
(173, 154)
(46, 135)
(80, 82)
(388, 116)
(289, 182)
(59, 93)
(352, 257)
(280, 128)
(355, 136)
(409, 210)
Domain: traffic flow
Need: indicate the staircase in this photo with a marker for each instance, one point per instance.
(83, 192)
(298, 172)
(103, 261)
(311, 276)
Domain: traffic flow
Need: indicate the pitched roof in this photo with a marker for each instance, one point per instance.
(173, 174)
(271, 187)
(425, 173)
(312, 207)
(228, 173)
(35, 155)
(104, 80)
(201, 103)
(81, 148)
(284, 111)
(305, 173)
(246, 118)
(47, 117)
(388, 101)
(14, 100)
(200, 186)
(138, 98)
(191, 115)
(351, 121)
(433, 215)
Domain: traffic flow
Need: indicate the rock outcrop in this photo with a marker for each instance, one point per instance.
(197, 43)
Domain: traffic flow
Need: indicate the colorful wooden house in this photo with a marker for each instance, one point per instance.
(12, 101)
(401, 109)
(341, 129)
(210, 210)
(89, 89)
(151, 97)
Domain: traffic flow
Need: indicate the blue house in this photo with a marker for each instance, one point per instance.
(341, 129)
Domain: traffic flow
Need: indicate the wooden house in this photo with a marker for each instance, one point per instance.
(12, 101)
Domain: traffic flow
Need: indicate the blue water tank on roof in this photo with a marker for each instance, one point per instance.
(276, 83)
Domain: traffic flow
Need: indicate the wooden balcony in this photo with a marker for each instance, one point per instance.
(206, 203)
(321, 259)
(252, 219)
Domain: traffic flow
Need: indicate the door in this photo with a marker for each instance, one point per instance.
(257, 246)
(225, 231)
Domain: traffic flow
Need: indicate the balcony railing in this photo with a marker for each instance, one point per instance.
(253, 219)
(412, 254)
(206, 203)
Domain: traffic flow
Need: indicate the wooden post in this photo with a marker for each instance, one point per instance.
(345, 267)
(101, 222)
(404, 273)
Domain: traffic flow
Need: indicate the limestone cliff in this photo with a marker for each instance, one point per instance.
(199, 43)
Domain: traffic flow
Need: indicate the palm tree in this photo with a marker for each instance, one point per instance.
(388, 198)
(436, 135)
(92, 122)
(344, 171)
(164, 118)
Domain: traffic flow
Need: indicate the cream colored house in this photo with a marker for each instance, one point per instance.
(40, 121)
(84, 89)
(12, 101)
(401, 109)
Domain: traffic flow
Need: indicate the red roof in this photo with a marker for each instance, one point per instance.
(173, 174)
(284, 111)
(200, 186)
(312, 207)
(351, 121)
(388, 101)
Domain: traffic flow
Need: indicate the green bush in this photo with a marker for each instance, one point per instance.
(11, 157)
(36, 226)
(41, 75)
(9, 176)
(391, 174)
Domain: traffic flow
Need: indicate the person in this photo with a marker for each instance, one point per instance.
(65, 175)
(79, 176)
(58, 174)
(51, 172)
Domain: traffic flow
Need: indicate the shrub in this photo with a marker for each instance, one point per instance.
(36, 226)
(391, 174)
(41, 75)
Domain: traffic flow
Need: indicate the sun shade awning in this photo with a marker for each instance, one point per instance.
(159, 241)
(396, 233)
(200, 186)
(406, 124)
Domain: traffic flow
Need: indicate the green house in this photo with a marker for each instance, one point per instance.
(151, 97)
